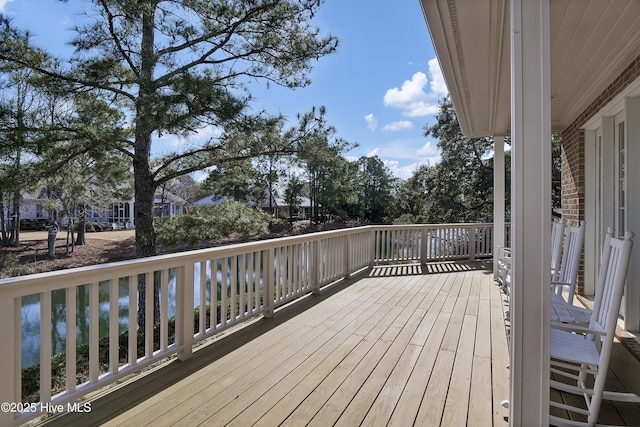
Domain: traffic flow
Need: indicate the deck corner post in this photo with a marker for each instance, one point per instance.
(424, 235)
(185, 310)
(498, 200)
(372, 246)
(269, 279)
(472, 242)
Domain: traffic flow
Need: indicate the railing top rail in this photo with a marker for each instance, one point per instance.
(20, 285)
(419, 226)
(125, 268)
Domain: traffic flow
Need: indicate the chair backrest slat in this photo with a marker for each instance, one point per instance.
(571, 256)
(557, 234)
(611, 278)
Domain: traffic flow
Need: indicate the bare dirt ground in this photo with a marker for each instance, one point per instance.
(109, 246)
(32, 254)
(117, 236)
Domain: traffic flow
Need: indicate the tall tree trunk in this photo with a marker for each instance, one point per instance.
(82, 223)
(145, 232)
(51, 239)
(15, 219)
(144, 185)
(143, 210)
(4, 238)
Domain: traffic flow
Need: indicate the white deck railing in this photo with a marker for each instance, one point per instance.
(230, 285)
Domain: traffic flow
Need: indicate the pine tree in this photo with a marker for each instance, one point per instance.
(174, 75)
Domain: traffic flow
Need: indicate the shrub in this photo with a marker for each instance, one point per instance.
(211, 222)
(9, 265)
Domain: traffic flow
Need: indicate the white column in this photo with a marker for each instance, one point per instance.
(530, 212)
(132, 216)
(591, 211)
(631, 300)
(498, 198)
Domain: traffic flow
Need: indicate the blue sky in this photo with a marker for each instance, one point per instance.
(379, 89)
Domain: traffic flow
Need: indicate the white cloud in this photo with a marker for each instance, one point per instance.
(372, 121)
(403, 158)
(399, 149)
(411, 92)
(438, 86)
(396, 126)
(374, 152)
(428, 150)
(202, 136)
(3, 3)
(412, 97)
(402, 172)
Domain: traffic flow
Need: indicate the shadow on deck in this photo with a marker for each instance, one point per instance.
(397, 345)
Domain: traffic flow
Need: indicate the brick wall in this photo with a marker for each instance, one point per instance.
(573, 150)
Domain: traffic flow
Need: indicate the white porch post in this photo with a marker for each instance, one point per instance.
(631, 299)
(498, 198)
(131, 210)
(530, 212)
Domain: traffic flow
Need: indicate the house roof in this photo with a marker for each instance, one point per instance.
(591, 44)
(303, 202)
(167, 196)
(213, 199)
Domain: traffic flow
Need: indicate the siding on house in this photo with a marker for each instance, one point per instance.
(120, 212)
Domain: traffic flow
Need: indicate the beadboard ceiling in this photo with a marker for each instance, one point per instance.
(592, 42)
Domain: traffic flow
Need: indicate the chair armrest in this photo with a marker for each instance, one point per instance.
(503, 252)
(577, 329)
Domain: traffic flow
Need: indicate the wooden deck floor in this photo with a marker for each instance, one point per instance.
(403, 346)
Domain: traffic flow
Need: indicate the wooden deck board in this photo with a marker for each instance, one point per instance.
(457, 403)
(479, 405)
(407, 408)
(400, 347)
(274, 407)
(432, 405)
(385, 402)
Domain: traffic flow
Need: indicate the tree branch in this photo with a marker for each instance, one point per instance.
(230, 31)
(205, 164)
(164, 80)
(116, 40)
(66, 78)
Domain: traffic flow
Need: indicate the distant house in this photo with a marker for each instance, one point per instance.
(302, 211)
(278, 208)
(166, 203)
(210, 200)
(33, 208)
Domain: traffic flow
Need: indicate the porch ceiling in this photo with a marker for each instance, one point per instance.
(592, 42)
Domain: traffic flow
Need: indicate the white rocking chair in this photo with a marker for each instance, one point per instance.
(557, 236)
(587, 350)
(504, 256)
(567, 274)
